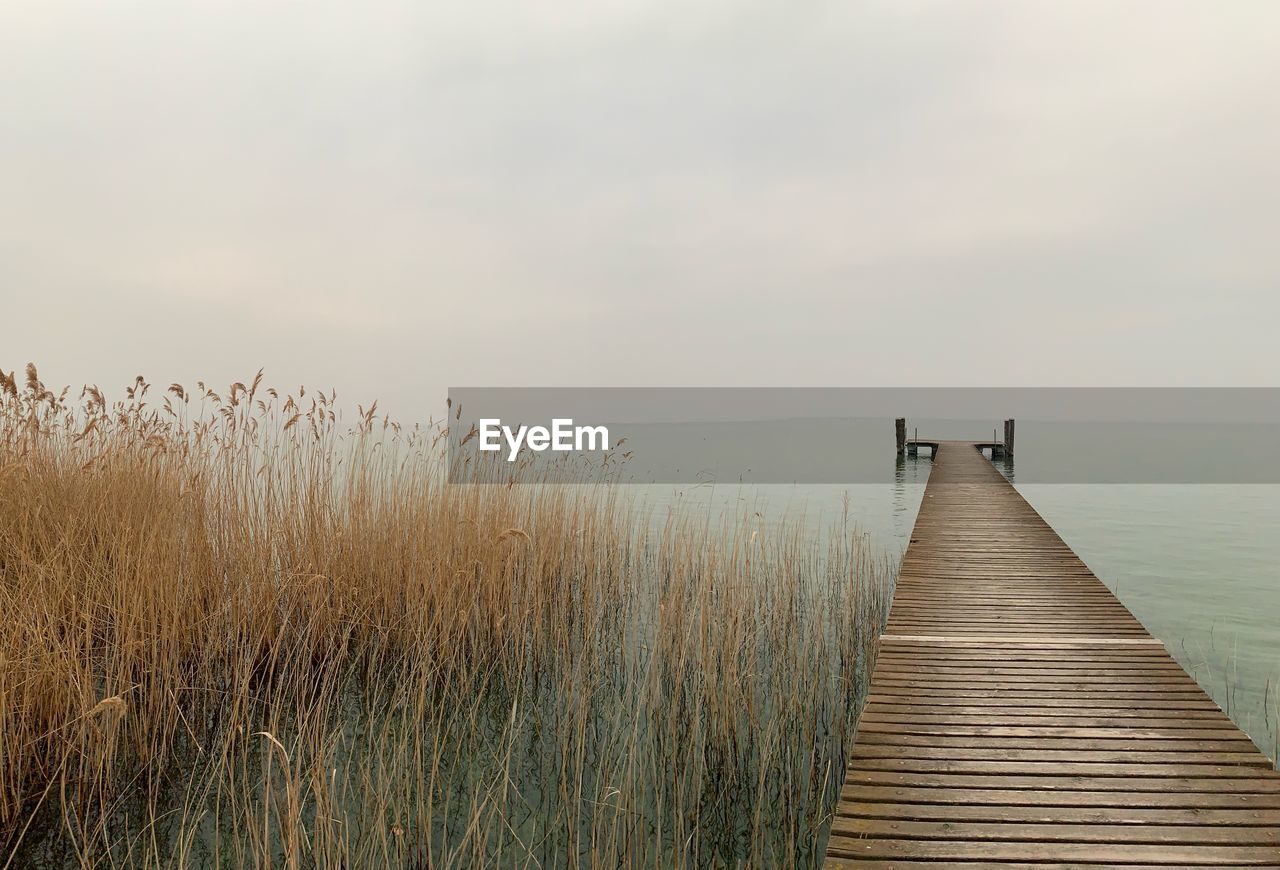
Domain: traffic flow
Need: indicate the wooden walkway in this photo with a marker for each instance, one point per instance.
(1020, 715)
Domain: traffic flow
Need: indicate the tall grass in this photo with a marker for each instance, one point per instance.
(235, 631)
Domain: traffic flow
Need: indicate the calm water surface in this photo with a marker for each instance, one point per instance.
(1200, 567)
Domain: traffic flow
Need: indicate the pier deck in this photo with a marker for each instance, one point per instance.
(1020, 715)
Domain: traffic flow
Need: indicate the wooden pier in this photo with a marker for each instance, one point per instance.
(1020, 716)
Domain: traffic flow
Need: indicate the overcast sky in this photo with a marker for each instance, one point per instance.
(394, 198)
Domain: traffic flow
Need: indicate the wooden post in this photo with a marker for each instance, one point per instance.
(900, 433)
(1008, 437)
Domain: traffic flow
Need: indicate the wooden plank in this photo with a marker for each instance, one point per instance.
(1096, 832)
(1038, 702)
(1231, 743)
(1076, 770)
(1007, 718)
(898, 864)
(916, 708)
(1129, 784)
(1019, 715)
(1093, 853)
(998, 752)
(924, 794)
(1074, 815)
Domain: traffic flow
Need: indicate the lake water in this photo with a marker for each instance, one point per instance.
(1198, 564)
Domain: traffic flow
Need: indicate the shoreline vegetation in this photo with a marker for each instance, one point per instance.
(237, 631)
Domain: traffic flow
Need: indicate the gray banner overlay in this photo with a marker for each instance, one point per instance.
(847, 435)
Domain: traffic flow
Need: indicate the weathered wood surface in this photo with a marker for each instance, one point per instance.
(1020, 715)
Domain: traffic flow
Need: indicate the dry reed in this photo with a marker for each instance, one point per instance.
(236, 632)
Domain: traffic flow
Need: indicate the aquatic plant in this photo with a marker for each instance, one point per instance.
(237, 631)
